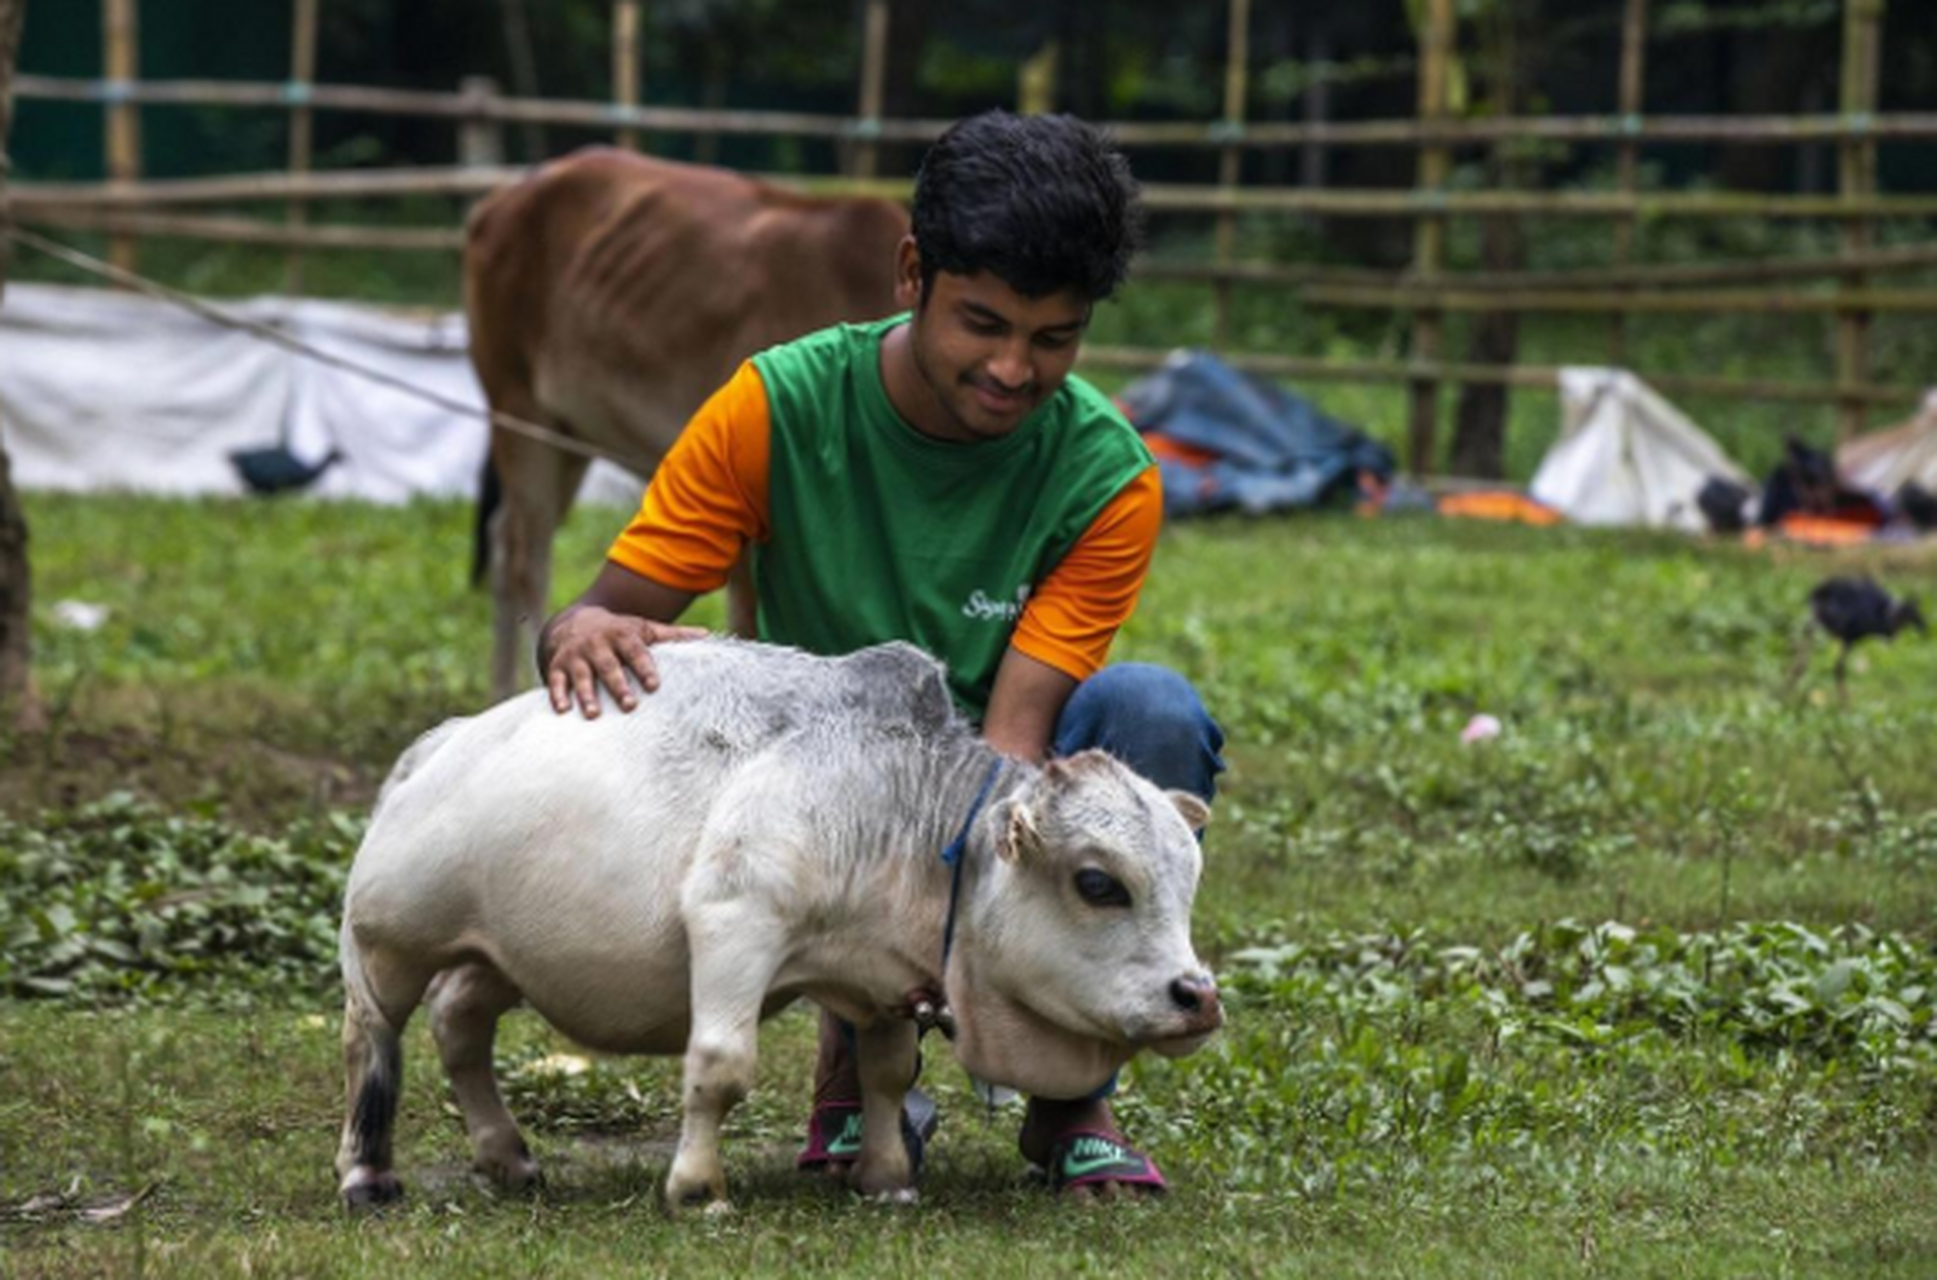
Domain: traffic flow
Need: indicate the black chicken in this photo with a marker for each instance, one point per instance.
(1852, 609)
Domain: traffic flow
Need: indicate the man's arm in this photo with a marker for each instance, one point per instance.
(606, 632)
(1066, 629)
(1023, 706)
(707, 500)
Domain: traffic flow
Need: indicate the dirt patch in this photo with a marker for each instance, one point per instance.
(251, 783)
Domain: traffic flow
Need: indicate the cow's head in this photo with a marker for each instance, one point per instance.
(1073, 949)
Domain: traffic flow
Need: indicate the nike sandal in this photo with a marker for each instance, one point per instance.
(1085, 1157)
(834, 1132)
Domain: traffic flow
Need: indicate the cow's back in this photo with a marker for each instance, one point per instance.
(611, 293)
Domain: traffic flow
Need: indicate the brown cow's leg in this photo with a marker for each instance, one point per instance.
(742, 606)
(378, 1002)
(465, 1004)
(538, 484)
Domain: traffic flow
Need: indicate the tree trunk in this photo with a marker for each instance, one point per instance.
(16, 696)
(1480, 422)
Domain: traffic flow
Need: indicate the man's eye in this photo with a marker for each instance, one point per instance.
(1101, 889)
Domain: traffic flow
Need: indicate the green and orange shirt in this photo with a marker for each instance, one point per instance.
(865, 530)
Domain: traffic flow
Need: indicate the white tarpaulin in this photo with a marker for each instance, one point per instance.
(1626, 456)
(102, 390)
(1882, 462)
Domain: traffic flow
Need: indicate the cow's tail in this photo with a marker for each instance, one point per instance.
(373, 1057)
(490, 495)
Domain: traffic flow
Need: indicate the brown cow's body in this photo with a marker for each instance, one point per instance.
(609, 295)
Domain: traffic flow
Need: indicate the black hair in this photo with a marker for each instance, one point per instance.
(1045, 203)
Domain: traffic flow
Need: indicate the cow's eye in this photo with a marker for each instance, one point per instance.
(1101, 889)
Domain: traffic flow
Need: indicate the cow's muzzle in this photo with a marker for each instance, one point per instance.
(1197, 1014)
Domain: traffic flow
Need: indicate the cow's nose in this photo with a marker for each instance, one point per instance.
(1195, 995)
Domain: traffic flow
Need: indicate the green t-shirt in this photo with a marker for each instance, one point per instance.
(881, 533)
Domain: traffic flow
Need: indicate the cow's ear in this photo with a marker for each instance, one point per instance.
(1197, 814)
(1020, 839)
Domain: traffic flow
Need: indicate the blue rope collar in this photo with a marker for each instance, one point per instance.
(953, 855)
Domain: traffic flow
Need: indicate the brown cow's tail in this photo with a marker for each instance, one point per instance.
(490, 494)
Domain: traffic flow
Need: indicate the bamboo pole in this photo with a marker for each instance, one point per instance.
(1634, 63)
(1372, 290)
(1862, 24)
(302, 75)
(874, 80)
(1679, 275)
(625, 64)
(1613, 302)
(1164, 199)
(1258, 135)
(1429, 234)
(480, 138)
(121, 60)
(1230, 161)
(350, 184)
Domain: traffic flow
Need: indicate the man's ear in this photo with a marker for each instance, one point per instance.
(908, 274)
(1020, 840)
(1197, 814)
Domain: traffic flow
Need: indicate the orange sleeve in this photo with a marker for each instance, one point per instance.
(1075, 613)
(709, 496)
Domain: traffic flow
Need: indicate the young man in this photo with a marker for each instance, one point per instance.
(940, 478)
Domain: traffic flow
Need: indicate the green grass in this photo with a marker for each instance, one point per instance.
(1440, 1060)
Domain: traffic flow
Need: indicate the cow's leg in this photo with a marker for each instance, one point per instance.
(465, 1004)
(734, 952)
(885, 1056)
(538, 484)
(380, 995)
(742, 604)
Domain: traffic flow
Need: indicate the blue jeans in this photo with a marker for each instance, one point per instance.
(1150, 718)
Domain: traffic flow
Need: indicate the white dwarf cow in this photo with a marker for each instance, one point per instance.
(767, 826)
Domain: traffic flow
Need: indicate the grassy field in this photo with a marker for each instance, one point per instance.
(1645, 985)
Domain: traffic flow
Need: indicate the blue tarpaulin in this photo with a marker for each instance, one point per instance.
(1247, 444)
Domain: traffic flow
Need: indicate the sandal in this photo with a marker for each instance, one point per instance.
(834, 1132)
(1086, 1157)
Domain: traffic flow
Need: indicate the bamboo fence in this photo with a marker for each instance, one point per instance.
(128, 208)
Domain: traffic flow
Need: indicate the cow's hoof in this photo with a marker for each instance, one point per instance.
(900, 1198)
(514, 1177)
(367, 1189)
(686, 1198)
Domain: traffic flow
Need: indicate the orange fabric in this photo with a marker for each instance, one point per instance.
(1826, 531)
(1072, 617)
(1190, 455)
(709, 498)
(1497, 505)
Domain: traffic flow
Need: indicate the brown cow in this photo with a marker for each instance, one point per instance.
(609, 294)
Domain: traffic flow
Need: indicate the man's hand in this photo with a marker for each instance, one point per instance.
(589, 645)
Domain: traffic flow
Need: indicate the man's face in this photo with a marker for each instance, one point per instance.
(988, 355)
